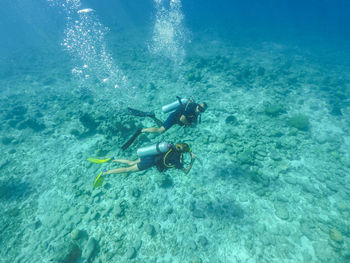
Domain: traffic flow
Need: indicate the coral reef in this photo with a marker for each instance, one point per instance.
(299, 121)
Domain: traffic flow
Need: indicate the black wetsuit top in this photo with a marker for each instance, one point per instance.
(189, 111)
(163, 161)
(171, 159)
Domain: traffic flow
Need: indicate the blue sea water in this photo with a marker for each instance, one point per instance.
(272, 180)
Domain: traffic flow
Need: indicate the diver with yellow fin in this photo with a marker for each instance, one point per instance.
(185, 113)
(162, 155)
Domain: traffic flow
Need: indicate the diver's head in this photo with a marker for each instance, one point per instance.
(182, 147)
(201, 107)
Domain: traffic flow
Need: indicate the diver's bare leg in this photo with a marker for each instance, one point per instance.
(130, 169)
(129, 162)
(154, 130)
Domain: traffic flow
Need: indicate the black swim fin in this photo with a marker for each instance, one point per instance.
(132, 139)
(140, 113)
(145, 114)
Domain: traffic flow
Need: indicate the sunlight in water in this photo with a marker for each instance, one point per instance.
(169, 33)
(84, 39)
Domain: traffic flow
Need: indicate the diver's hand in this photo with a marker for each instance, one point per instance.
(184, 121)
(187, 170)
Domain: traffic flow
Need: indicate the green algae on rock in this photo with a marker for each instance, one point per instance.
(273, 110)
(301, 122)
(335, 235)
(281, 211)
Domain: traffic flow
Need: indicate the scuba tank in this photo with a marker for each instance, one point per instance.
(174, 105)
(158, 148)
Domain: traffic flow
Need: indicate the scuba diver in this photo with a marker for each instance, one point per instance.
(162, 155)
(186, 113)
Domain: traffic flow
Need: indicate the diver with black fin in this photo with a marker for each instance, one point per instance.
(162, 155)
(185, 113)
(145, 114)
(138, 132)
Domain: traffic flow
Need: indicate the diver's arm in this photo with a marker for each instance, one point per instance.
(188, 168)
(184, 120)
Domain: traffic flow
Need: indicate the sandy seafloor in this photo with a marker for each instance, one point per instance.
(268, 191)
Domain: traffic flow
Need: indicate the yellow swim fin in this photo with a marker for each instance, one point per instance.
(93, 160)
(99, 180)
